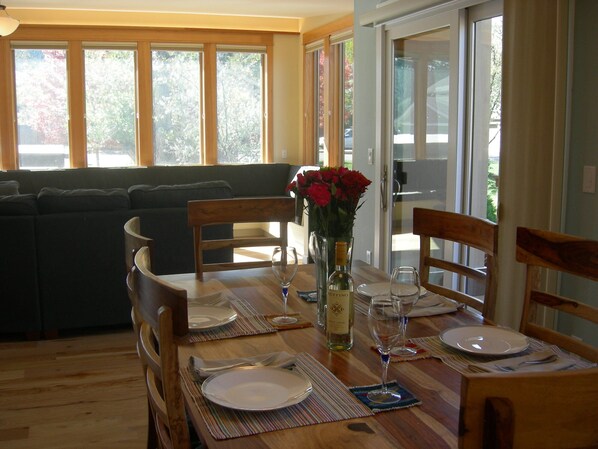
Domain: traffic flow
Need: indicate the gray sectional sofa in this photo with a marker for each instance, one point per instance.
(61, 235)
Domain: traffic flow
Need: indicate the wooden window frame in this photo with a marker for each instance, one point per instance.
(142, 39)
(333, 88)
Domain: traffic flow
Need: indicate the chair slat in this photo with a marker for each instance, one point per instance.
(202, 213)
(551, 410)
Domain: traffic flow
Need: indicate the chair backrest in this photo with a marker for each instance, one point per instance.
(566, 254)
(470, 232)
(547, 410)
(134, 241)
(238, 210)
(163, 312)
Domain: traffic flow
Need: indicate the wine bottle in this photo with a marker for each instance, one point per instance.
(339, 303)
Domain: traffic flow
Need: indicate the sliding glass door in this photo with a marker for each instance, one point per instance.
(440, 133)
(422, 117)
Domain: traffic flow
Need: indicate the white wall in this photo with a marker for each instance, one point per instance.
(288, 94)
(364, 124)
(581, 217)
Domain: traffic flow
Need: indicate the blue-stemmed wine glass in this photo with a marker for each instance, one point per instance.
(284, 266)
(383, 322)
(405, 290)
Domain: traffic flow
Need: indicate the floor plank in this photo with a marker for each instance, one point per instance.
(76, 392)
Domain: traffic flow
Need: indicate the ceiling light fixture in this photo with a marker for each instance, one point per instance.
(7, 23)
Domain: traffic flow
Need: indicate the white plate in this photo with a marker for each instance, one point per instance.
(208, 317)
(485, 340)
(254, 388)
(380, 288)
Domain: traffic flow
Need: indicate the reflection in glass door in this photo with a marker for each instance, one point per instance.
(420, 147)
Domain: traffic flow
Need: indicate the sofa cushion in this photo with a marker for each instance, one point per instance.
(177, 195)
(51, 200)
(9, 188)
(18, 205)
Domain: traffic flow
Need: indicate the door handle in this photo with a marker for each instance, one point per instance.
(396, 183)
(383, 190)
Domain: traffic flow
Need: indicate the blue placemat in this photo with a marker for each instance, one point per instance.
(407, 398)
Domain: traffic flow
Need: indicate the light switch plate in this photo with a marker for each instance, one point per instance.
(589, 179)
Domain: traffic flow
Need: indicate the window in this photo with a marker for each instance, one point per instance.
(42, 108)
(138, 96)
(328, 86)
(240, 99)
(110, 107)
(176, 85)
(320, 103)
(347, 102)
(486, 115)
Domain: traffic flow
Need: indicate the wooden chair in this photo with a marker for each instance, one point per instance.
(238, 210)
(163, 312)
(566, 254)
(134, 241)
(548, 410)
(470, 232)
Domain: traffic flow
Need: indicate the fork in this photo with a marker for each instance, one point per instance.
(548, 359)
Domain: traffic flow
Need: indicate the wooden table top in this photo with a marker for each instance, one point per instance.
(433, 424)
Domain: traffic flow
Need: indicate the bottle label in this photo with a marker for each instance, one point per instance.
(338, 304)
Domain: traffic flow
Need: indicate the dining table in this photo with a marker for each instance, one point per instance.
(428, 420)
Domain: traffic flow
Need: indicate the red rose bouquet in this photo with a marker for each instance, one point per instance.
(332, 196)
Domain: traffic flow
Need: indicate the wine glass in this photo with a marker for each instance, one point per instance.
(284, 266)
(404, 289)
(385, 328)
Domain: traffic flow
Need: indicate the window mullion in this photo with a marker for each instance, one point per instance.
(76, 89)
(210, 105)
(145, 145)
(327, 102)
(8, 158)
(334, 151)
(267, 106)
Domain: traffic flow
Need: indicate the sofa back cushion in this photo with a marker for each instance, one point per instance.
(177, 195)
(9, 188)
(51, 200)
(18, 205)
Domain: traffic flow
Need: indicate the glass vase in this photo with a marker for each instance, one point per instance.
(321, 249)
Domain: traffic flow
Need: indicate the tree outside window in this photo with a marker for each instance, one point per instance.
(42, 108)
(176, 107)
(110, 107)
(240, 100)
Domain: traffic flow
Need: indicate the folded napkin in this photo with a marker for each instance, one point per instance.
(309, 295)
(206, 368)
(213, 299)
(432, 304)
(547, 360)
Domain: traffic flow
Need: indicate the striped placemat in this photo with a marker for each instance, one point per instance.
(462, 361)
(248, 322)
(329, 401)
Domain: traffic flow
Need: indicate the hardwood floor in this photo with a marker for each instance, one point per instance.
(72, 393)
